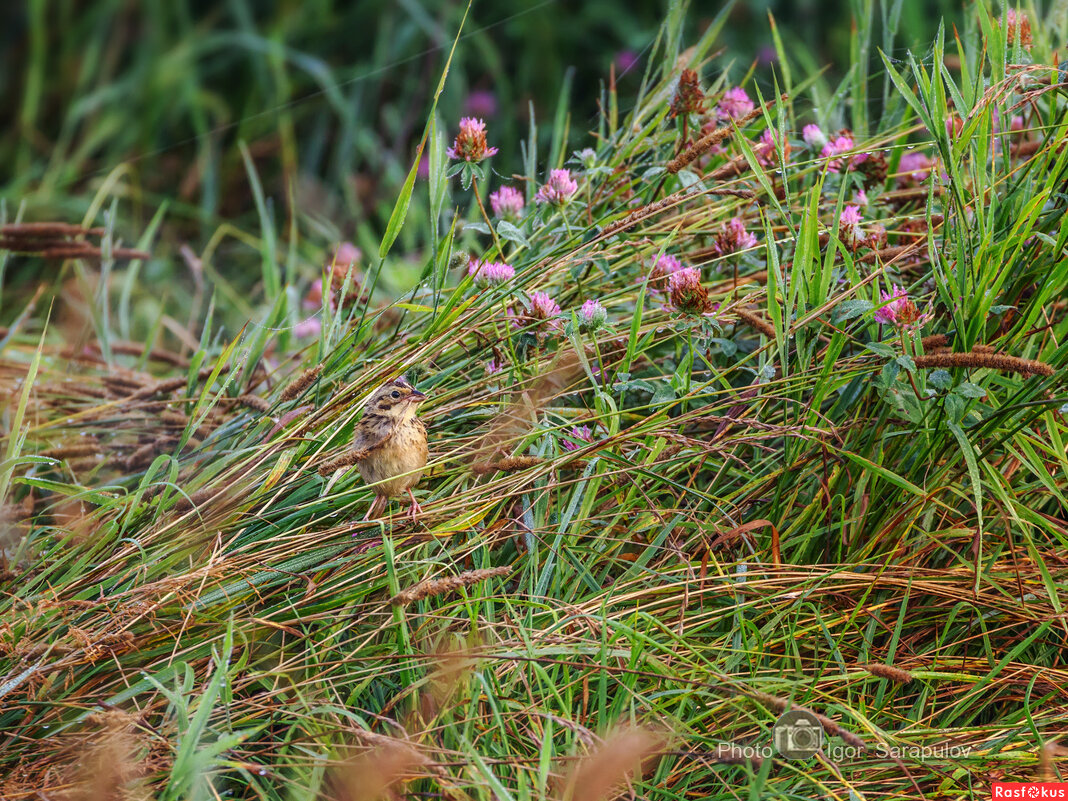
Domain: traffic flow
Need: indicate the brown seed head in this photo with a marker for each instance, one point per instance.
(689, 98)
(624, 753)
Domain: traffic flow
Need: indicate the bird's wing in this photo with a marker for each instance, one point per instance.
(366, 439)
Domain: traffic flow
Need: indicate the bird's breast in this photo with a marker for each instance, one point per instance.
(398, 464)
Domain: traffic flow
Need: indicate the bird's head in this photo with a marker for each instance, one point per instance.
(397, 399)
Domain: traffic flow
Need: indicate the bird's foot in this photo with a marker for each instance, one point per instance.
(414, 510)
(375, 508)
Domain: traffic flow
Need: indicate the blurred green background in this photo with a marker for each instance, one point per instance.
(330, 98)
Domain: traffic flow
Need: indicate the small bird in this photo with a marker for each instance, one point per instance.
(390, 444)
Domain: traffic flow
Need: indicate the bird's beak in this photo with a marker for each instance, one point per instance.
(416, 396)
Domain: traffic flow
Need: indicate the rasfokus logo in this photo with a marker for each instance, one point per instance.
(1029, 790)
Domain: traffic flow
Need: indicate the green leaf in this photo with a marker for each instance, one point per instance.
(561, 121)
(973, 469)
(940, 379)
(879, 470)
(404, 200)
(848, 309)
(400, 208)
(969, 390)
(906, 92)
(17, 436)
(438, 184)
(906, 362)
(955, 408)
(272, 279)
(664, 393)
(183, 774)
(506, 230)
(688, 178)
(888, 375)
(881, 349)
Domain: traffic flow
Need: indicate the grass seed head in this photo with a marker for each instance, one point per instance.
(442, 586)
(376, 774)
(306, 379)
(624, 754)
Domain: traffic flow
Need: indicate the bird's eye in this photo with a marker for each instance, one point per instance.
(394, 394)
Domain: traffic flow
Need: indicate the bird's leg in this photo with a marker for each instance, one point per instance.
(415, 509)
(375, 507)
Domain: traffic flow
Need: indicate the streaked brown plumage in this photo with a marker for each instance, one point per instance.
(390, 444)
